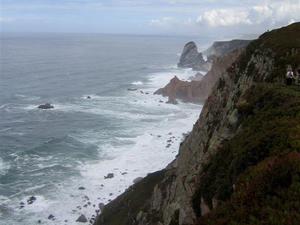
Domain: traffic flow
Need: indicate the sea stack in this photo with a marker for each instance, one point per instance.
(191, 58)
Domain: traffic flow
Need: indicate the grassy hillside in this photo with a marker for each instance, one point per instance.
(255, 176)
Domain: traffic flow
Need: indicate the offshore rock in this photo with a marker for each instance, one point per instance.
(191, 58)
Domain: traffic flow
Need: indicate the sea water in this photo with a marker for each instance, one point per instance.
(61, 156)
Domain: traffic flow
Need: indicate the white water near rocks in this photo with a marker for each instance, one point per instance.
(61, 156)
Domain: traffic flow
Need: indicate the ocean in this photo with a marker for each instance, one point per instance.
(53, 163)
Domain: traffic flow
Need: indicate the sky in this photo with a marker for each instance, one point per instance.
(240, 18)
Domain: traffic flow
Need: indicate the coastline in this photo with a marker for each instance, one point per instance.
(151, 150)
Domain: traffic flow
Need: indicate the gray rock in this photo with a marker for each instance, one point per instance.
(191, 58)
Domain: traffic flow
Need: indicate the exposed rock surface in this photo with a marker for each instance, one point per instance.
(221, 48)
(243, 151)
(198, 91)
(191, 58)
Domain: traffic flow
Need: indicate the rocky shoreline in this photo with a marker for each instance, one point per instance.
(236, 165)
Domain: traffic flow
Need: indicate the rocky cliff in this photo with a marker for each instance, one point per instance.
(240, 163)
(221, 48)
(198, 91)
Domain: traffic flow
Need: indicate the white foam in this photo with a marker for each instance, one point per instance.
(4, 167)
(137, 83)
(142, 150)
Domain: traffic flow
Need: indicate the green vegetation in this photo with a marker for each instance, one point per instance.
(282, 45)
(255, 176)
(270, 116)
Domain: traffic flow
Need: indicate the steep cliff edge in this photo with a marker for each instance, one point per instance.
(221, 48)
(240, 163)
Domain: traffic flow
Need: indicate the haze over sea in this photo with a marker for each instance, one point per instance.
(60, 156)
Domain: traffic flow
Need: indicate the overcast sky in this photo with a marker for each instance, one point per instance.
(182, 17)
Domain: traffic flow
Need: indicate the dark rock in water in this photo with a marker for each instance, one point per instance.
(109, 176)
(132, 89)
(82, 219)
(81, 188)
(124, 173)
(51, 217)
(39, 221)
(31, 200)
(138, 179)
(147, 93)
(88, 97)
(191, 58)
(46, 106)
(161, 101)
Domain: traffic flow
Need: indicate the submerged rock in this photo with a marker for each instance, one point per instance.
(46, 106)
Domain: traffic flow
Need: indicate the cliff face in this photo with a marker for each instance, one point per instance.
(198, 91)
(240, 163)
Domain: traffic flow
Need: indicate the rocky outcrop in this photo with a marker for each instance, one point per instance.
(243, 151)
(197, 91)
(191, 58)
(221, 48)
